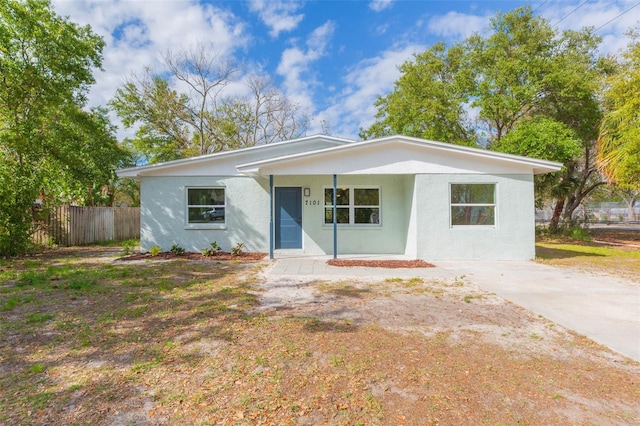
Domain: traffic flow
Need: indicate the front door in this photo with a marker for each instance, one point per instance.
(288, 218)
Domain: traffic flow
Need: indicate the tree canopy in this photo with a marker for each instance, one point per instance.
(521, 75)
(49, 145)
(186, 111)
(619, 140)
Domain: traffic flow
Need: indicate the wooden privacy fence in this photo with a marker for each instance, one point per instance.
(76, 226)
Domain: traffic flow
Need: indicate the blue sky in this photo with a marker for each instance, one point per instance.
(333, 58)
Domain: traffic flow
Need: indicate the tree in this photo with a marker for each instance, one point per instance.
(521, 70)
(619, 139)
(49, 146)
(525, 69)
(428, 100)
(203, 118)
(545, 138)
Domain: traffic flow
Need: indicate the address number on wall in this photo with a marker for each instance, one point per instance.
(311, 202)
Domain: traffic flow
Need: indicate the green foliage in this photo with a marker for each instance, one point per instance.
(37, 368)
(49, 146)
(16, 300)
(428, 100)
(155, 250)
(238, 249)
(544, 138)
(126, 191)
(31, 278)
(128, 247)
(213, 250)
(521, 74)
(37, 318)
(541, 137)
(619, 141)
(177, 250)
(575, 232)
(81, 284)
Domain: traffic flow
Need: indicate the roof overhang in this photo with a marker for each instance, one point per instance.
(397, 155)
(258, 151)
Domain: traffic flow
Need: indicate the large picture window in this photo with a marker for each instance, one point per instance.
(473, 204)
(206, 205)
(354, 206)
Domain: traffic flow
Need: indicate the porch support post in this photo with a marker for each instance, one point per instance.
(270, 216)
(335, 217)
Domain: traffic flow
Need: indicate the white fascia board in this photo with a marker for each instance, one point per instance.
(537, 166)
(134, 172)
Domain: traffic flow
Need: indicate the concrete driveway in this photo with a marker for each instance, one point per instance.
(605, 309)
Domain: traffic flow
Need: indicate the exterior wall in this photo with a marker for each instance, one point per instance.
(415, 216)
(163, 214)
(389, 238)
(513, 237)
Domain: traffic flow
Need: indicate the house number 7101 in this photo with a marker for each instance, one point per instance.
(311, 202)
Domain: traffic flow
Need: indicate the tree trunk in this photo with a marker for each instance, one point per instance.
(631, 215)
(557, 212)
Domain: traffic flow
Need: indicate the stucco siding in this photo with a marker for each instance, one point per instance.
(163, 214)
(512, 237)
(388, 238)
(415, 216)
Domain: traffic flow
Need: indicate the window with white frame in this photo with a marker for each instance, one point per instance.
(354, 206)
(206, 205)
(473, 204)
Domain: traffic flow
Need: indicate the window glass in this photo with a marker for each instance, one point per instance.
(367, 215)
(342, 215)
(474, 193)
(206, 205)
(473, 204)
(472, 215)
(354, 206)
(342, 197)
(366, 197)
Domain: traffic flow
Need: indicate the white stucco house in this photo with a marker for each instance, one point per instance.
(326, 195)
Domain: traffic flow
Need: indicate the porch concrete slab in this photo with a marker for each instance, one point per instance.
(606, 309)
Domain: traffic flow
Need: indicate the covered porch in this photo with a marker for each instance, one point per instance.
(340, 215)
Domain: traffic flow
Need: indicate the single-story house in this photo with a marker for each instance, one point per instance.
(322, 195)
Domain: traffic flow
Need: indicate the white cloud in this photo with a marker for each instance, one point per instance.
(380, 5)
(606, 16)
(456, 26)
(138, 32)
(382, 29)
(295, 66)
(354, 107)
(279, 16)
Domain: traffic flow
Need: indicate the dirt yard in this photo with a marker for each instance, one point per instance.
(87, 338)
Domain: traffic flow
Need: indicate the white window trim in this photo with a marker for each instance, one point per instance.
(188, 225)
(352, 207)
(494, 205)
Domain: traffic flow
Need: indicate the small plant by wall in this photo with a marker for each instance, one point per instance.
(238, 249)
(177, 250)
(213, 250)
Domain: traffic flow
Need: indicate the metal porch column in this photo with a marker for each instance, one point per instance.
(335, 217)
(270, 216)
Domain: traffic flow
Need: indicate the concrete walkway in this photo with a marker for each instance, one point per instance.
(605, 309)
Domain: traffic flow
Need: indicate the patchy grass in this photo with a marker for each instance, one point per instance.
(88, 339)
(604, 259)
